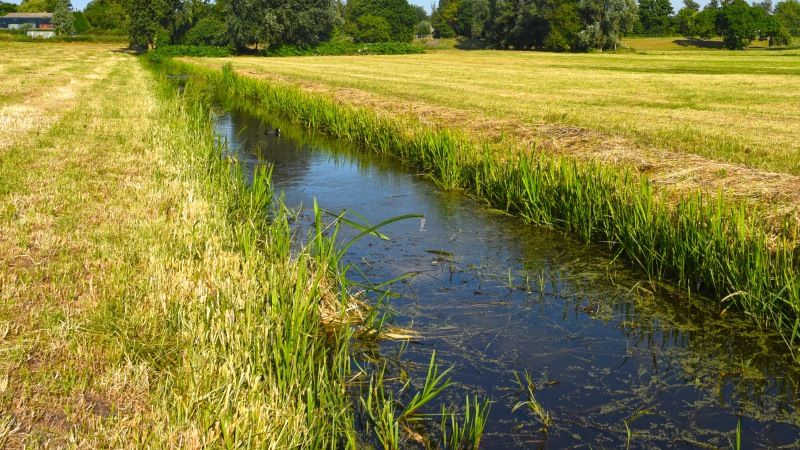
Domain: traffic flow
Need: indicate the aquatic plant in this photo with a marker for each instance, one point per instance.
(465, 435)
(533, 405)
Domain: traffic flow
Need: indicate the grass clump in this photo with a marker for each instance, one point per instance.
(708, 245)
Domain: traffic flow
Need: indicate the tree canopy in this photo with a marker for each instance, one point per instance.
(655, 17)
(788, 14)
(37, 6)
(63, 21)
(272, 23)
(6, 8)
(401, 17)
(107, 15)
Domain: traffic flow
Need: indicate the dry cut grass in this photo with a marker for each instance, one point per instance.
(708, 120)
(146, 297)
(74, 194)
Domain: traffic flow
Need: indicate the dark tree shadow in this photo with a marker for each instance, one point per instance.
(472, 44)
(699, 43)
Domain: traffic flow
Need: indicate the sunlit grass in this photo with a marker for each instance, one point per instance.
(706, 244)
(728, 106)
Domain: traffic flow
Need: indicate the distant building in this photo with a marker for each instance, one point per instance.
(31, 21)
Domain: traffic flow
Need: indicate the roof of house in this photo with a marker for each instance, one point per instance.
(15, 15)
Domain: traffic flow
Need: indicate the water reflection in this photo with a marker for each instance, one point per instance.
(493, 295)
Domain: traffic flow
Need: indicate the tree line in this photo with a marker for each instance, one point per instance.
(570, 25)
(553, 25)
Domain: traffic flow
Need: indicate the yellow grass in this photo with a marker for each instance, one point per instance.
(75, 190)
(131, 303)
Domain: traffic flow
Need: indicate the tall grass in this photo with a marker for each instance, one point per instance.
(259, 355)
(265, 358)
(708, 245)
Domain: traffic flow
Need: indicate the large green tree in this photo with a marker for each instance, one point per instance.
(563, 25)
(788, 14)
(686, 18)
(6, 8)
(372, 29)
(37, 6)
(516, 24)
(740, 23)
(460, 18)
(607, 21)
(151, 18)
(401, 17)
(107, 15)
(272, 23)
(655, 17)
(63, 21)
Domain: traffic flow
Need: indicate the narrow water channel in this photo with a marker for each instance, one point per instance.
(494, 296)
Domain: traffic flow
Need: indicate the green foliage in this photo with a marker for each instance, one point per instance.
(346, 48)
(780, 38)
(705, 24)
(80, 22)
(442, 29)
(372, 29)
(63, 20)
(424, 28)
(608, 20)
(107, 15)
(400, 16)
(516, 24)
(655, 16)
(685, 21)
(272, 23)
(149, 18)
(739, 23)
(208, 31)
(37, 6)
(788, 14)
(460, 18)
(6, 8)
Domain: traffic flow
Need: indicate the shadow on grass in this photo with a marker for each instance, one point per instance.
(699, 43)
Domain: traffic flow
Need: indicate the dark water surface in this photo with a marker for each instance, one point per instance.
(493, 295)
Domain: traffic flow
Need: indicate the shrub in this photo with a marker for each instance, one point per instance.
(208, 32)
(79, 22)
(424, 28)
(555, 42)
(781, 38)
(371, 28)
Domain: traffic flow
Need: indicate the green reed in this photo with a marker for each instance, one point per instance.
(706, 244)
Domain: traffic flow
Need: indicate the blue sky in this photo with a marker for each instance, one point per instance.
(80, 4)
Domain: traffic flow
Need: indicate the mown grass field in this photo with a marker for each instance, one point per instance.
(739, 113)
(147, 297)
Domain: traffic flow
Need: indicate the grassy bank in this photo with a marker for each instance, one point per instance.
(705, 244)
(731, 107)
(148, 297)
